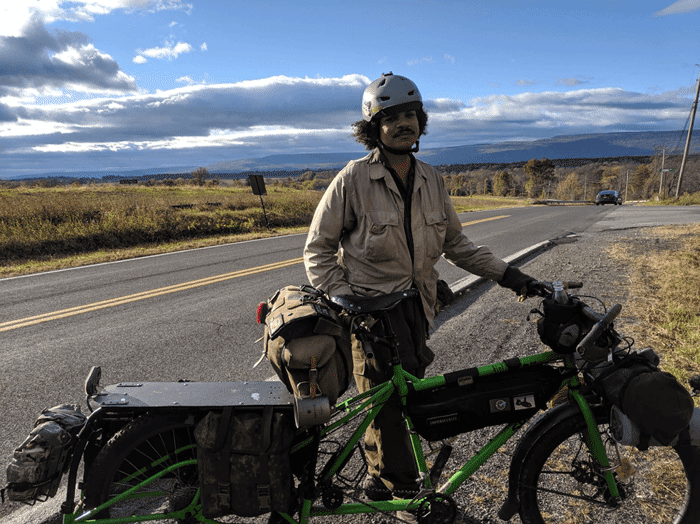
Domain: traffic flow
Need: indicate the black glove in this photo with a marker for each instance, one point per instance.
(516, 280)
(445, 296)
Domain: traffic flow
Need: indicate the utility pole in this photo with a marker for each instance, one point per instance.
(663, 160)
(687, 142)
(627, 183)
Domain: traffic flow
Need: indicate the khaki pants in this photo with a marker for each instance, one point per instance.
(387, 446)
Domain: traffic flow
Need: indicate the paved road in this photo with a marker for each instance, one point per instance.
(191, 314)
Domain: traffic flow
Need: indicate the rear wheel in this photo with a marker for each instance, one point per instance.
(562, 483)
(144, 448)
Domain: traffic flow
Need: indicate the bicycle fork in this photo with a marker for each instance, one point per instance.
(594, 442)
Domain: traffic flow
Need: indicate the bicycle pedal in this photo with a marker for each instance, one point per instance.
(625, 470)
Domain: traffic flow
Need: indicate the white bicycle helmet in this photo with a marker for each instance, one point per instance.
(390, 94)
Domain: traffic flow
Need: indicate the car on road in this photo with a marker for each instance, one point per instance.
(608, 197)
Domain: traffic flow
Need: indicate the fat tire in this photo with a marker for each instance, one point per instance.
(141, 441)
(546, 446)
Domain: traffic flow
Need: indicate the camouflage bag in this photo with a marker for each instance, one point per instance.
(306, 343)
(41, 460)
(243, 457)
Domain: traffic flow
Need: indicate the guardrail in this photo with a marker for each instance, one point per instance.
(551, 201)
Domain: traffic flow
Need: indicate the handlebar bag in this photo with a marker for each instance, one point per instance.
(654, 400)
(243, 458)
(41, 460)
(562, 326)
(307, 343)
(468, 401)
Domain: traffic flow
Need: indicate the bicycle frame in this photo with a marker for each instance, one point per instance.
(370, 403)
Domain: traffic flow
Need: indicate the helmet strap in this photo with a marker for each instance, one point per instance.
(395, 151)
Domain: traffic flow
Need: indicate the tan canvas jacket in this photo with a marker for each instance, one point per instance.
(357, 244)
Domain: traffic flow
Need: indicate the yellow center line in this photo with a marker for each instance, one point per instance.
(78, 310)
(483, 220)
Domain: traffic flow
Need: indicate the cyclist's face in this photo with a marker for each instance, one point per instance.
(399, 131)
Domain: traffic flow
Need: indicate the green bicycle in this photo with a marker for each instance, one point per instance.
(571, 463)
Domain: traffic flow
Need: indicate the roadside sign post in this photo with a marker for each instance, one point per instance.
(257, 182)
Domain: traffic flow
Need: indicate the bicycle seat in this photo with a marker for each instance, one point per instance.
(359, 304)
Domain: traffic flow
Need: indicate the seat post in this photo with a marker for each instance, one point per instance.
(390, 335)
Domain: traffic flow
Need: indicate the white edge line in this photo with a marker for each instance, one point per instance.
(145, 257)
(465, 283)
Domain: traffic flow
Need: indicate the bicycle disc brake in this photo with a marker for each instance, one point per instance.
(332, 497)
(437, 509)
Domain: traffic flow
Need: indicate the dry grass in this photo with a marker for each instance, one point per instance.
(481, 202)
(664, 272)
(684, 200)
(43, 229)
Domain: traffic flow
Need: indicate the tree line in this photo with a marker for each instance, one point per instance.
(542, 178)
(636, 178)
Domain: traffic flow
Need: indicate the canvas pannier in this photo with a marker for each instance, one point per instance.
(41, 460)
(652, 399)
(243, 457)
(307, 343)
(469, 402)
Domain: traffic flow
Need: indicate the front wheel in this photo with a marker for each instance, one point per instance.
(562, 483)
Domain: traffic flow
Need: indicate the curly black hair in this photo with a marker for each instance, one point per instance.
(367, 133)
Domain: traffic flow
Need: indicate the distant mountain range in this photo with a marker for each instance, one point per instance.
(602, 145)
(593, 146)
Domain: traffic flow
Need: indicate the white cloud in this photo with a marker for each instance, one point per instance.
(450, 58)
(138, 59)
(169, 52)
(424, 60)
(15, 14)
(682, 6)
(292, 114)
(574, 81)
(203, 47)
(537, 115)
(190, 81)
(42, 60)
(198, 109)
(523, 82)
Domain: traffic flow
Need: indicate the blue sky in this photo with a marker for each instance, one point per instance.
(105, 85)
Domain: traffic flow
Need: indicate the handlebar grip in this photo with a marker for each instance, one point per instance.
(585, 347)
(592, 314)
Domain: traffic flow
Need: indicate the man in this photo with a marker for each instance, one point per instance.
(381, 227)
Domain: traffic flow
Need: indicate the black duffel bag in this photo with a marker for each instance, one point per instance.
(653, 399)
(469, 402)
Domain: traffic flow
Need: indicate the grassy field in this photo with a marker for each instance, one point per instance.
(54, 228)
(43, 229)
(664, 299)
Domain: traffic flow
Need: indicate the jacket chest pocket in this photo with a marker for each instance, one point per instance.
(435, 230)
(382, 239)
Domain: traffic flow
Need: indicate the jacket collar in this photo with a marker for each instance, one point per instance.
(378, 170)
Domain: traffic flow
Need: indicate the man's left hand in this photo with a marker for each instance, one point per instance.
(516, 280)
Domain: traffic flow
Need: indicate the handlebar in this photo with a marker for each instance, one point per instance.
(548, 289)
(586, 348)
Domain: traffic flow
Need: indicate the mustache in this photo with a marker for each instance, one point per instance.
(404, 131)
